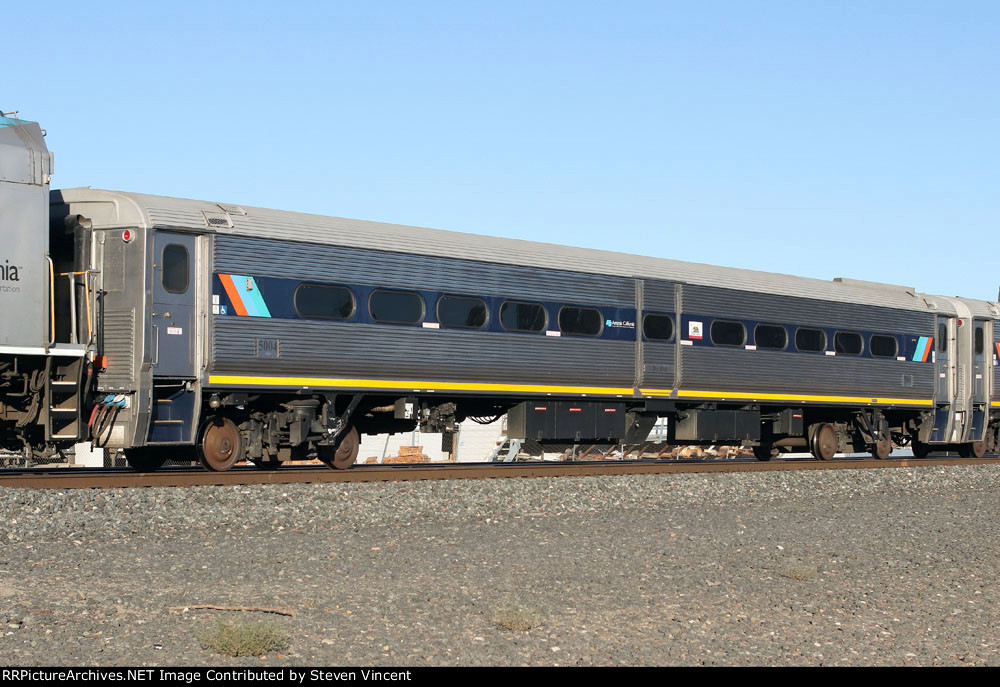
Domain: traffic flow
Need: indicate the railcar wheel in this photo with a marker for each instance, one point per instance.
(977, 449)
(823, 442)
(145, 459)
(221, 444)
(920, 450)
(346, 452)
(882, 449)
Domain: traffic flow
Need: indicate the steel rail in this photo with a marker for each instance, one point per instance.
(74, 478)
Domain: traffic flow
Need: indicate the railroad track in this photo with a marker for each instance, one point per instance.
(96, 478)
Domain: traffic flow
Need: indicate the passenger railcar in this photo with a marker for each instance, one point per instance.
(181, 328)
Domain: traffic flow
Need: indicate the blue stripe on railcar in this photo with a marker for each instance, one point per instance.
(275, 297)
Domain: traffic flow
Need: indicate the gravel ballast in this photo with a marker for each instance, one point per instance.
(844, 567)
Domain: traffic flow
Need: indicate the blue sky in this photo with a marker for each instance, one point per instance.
(824, 139)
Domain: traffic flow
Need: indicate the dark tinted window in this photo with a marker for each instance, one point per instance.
(460, 312)
(883, 346)
(401, 307)
(848, 343)
(658, 327)
(175, 268)
(942, 342)
(580, 321)
(770, 336)
(522, 317)
(980, 341)
(728, 333)
(812, 340)
(324, 302)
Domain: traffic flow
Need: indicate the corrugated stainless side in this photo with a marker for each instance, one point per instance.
(658, 362)
(658, 357)
(274, 224)
(262, 257)
(658, 295)
(119, 347)
(349, 350)
(715, 302)
(716, 369)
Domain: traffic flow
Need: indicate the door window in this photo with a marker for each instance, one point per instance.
(175, 268)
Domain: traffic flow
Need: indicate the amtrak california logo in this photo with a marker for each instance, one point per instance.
(9, 272)
(9, 276)
(625, 324)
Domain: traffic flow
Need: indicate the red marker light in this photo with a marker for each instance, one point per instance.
(127, 236)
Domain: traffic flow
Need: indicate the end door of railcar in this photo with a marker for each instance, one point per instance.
(945, 382)
(956, 394)
(174, 339)
(173, 315)
(982, 378)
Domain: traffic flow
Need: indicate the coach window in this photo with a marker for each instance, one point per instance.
(728, 333)
(397, 307)
(882, 346)
(324, 302)
(580, 321)
(659, 327)
(175, 268)
(810, 340)
(461, 312)
(770, 336)
(848, 343)
(522, 317)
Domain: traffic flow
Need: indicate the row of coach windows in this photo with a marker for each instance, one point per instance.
(327, 302)
(330, 302)
(775, 337)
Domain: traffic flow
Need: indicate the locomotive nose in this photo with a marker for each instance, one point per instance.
(25, 168)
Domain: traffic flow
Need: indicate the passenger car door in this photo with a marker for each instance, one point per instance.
(173, 321)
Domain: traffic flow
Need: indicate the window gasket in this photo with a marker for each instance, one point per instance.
(600, 318)
(669, 318)
(187, 269)
(350, 292)
(545, 314)
(711, 334)
(423, 306)
(437, 311)
(822, 347)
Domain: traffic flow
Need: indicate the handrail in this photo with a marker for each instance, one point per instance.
(90, 323)
(52, 302)
(86, 290)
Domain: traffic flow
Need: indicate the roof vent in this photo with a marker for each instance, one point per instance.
(217, 220)
(233, 210)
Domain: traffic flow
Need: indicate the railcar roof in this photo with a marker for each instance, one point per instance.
(138, 209)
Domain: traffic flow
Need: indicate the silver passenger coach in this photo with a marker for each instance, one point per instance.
(177, 328)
